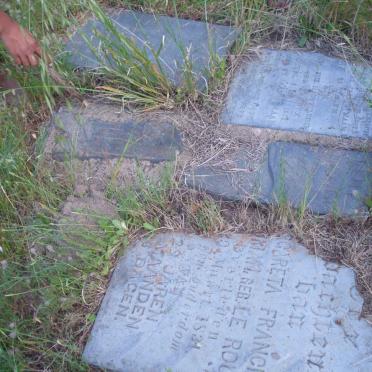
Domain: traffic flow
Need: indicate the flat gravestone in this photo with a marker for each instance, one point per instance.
(175, 38)
(301, 91)
(225, 184)
(186, 303)
(324, 180)
(90, 137)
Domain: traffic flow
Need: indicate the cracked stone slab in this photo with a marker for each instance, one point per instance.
(174, 37)
(229, 303)
(93, 137)
(234, 182)
(301, 91)
(325, 180)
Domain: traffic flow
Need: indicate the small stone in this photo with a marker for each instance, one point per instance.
(50, 248)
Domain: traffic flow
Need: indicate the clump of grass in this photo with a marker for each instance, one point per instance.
(47, 300)
(144, 204)
(311, 18)
(130, 73)
(33, 286)
(23, 182)
(126, 73)
(205, 215)
(348, 18)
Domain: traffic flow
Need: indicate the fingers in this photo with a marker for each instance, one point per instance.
(29, 51)
(29, 58)
(37, 51)
(21, 45)
(33, 50)
(33, 60)
(24, 60)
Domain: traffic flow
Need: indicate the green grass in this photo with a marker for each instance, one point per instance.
(131, 77)
(47, 21)
(310, 17)
(206, 216)
(44, 313)
(349, 18)
(144, 204)
(140, 80)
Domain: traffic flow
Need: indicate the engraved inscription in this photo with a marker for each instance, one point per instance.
(144, 301)
(236, 304)
(301, 91)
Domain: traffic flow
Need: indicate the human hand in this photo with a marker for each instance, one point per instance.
(21, 45)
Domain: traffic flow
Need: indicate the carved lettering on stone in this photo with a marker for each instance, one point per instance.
(301, 91)
(232, 303)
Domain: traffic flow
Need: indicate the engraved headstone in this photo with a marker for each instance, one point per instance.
(93, 137)
(301, 91)
(176, 40)
(185, 303)
(324, 180)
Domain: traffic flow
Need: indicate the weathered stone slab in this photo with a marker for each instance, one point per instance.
(325, 180)
(87, 137)
(301, 91)
(175, 37)
(235, 303)
(232, 185)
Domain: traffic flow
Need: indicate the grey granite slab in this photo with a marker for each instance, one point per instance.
(89, 137)
(186, 303)
(324, 180)
(234, 182)
(175, 39)
(301, 91)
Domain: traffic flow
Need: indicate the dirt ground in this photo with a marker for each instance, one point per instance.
(207, 141)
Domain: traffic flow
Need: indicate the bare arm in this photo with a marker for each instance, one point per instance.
(21, 45)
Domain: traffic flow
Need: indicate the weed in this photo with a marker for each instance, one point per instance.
(334, 17)
(206, 216)
(368, 203)
(282, 198)
(129, 73)
(143, 204)
(305, 200)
